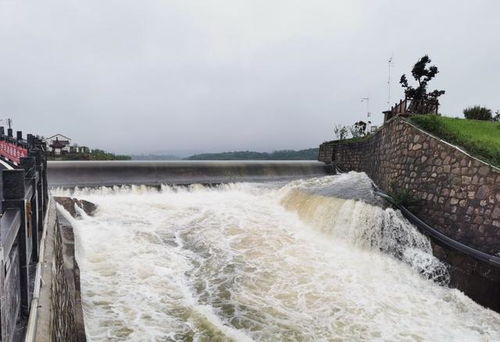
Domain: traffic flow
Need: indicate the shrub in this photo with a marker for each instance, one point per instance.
(401, 196)
(497, 116)
(478, 113)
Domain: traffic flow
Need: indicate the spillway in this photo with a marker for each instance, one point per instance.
(109, 173)
(316, 259)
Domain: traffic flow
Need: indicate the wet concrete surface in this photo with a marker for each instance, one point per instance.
(109, 173)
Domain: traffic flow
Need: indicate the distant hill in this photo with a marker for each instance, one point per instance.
(155, 157)
(308, 154)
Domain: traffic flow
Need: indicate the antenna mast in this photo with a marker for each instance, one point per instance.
(367, 100)
(389, 66)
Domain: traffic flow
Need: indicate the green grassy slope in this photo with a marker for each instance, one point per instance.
(479, 138)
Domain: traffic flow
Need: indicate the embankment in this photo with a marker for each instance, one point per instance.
(446, 188)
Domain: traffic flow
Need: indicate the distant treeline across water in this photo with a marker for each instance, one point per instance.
(307, 154)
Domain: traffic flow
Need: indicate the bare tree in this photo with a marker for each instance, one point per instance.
(340, 132)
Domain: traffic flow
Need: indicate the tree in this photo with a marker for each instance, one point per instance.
(497, 116)
(478, 113)
(340, 132)
(358, 129)
(422, 74)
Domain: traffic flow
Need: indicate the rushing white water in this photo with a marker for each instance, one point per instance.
(269, 262)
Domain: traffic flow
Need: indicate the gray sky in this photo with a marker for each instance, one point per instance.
(157, 75)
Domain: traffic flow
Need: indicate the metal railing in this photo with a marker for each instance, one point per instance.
(23, 207)
(436, 234)
(411, 106)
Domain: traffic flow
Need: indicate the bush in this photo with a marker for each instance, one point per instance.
(401, 196)
(478, 113)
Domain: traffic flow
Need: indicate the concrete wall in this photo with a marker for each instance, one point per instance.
(453, 191)
(59, 313)
(106, 173)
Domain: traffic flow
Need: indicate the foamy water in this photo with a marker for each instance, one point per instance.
(264, 262)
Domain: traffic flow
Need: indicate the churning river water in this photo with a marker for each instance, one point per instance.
(316, 259)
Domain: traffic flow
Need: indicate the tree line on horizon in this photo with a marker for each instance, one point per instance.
(95, 154)
(307, 154)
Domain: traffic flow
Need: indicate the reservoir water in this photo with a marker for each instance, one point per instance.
(316, 259)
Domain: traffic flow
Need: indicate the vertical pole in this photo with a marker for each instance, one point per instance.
(389, 82)
(42, 148)
(29, 166)
(37, 154)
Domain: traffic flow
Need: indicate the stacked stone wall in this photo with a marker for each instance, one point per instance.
(451, 190)
(60, 313)
(67, 314)
(326, 152)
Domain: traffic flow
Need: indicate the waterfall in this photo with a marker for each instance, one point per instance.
(315, 259)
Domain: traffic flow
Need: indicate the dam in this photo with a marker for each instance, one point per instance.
(306, 257)
(218, 251)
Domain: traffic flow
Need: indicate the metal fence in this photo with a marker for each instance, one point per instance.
(24, 199)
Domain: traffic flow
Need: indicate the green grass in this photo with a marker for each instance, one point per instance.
(479, 138)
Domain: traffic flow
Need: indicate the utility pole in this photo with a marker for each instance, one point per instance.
(390, 64)
(368, 114)
(9, 122)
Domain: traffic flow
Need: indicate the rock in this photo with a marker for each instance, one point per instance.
(496, 213)
(482, 192)
(484, 170)
(69, 204)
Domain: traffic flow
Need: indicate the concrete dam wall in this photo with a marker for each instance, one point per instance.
(448, 189)
(109, 173)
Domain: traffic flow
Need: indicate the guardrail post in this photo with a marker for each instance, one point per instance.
(39, 179)
(41, 147)
(32, 213)
(13, 197)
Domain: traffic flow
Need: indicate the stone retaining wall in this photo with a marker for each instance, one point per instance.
(447, 188)
(451, 190)
(60, 313)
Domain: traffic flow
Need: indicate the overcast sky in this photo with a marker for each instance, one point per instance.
(196, 76)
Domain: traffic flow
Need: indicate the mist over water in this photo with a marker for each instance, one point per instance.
(318, 259)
